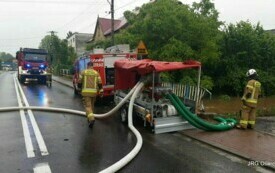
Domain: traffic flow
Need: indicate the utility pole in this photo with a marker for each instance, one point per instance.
(52, 32)
(51, 52)
(112, 21)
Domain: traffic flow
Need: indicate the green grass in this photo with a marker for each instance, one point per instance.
(230, 115)
(225, 98)
(266, 112)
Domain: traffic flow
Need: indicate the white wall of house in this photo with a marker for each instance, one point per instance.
(79, 41)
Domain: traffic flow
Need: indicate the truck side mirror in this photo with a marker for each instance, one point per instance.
(17, 54)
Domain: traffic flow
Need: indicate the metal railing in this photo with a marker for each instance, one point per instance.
(64, 72)
(188, 92)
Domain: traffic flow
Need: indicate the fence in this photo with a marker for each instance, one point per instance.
(64, 72)
(189, 92)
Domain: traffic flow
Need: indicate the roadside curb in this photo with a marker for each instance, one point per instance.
(56, 79)
(227, 151)
(266, 119)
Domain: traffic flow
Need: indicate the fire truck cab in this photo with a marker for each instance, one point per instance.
(34, 64)
(103, 62)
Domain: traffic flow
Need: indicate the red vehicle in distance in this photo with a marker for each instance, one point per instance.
(103, 62)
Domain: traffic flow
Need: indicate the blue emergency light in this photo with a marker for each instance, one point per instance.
(42, 66)
(28, 66)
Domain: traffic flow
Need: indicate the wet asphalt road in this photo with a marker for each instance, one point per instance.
(73, 147)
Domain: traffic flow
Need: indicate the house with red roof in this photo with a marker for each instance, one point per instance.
(103, 27)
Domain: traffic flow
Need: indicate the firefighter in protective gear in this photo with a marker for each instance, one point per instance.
(250, 100)
(91, 86)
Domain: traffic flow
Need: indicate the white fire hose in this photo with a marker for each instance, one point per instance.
(126, 159)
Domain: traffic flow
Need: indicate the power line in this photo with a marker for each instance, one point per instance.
(39, 37)
(90, 25)
(125, 5)
(27, 38)
(45, 1)
(80, 14)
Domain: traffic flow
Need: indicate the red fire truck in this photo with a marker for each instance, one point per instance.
(33, 64)
(103, 62)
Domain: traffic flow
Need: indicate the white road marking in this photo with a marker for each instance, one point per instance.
(42, 168)
(38, 135)
(26, 132)
(39, 138)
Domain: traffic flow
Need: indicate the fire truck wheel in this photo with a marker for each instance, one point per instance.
(124, 114)
(42, 80)
(22, 80)
(49, 83)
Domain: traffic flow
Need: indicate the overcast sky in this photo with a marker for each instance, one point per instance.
(23, 23)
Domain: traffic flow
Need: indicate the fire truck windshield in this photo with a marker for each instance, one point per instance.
(35, 57)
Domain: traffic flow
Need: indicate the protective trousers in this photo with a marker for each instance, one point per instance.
(89, 103)
(248, 117)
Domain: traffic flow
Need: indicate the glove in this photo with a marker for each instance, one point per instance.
(79, 85)
(101, 92)
(243, 99)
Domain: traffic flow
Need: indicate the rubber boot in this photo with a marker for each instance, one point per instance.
(241, 126)
(244, 118)
(251, 125)
(91, 120)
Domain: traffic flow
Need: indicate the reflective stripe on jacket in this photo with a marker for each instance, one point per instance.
(252, 92)
(90, 81)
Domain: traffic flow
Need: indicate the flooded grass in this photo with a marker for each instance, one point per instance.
(232, 105)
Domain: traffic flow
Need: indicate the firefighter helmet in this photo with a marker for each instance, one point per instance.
(251, 72)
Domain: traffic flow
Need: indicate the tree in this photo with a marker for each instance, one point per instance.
(245, 46)
(176, 32)
(206, 8)
(6, 56)
(62, 56)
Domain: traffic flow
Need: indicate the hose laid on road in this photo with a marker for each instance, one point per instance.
(55, 109)
(208, 126)
(39, 108)
(116, 108)
(126, 159)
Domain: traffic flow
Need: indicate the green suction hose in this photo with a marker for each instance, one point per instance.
(181, 112)
(225, 124)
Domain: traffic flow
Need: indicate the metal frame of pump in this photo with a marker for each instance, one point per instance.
(163, 110)
(156, 110)
(33, 70)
